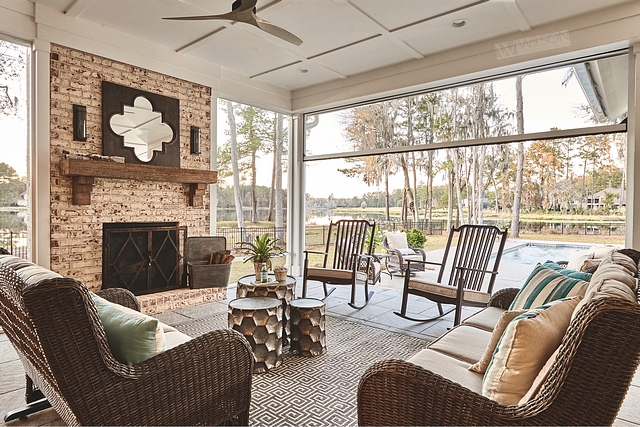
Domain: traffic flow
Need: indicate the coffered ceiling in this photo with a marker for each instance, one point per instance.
(341, 38)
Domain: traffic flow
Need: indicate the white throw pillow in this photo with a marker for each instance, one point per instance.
(397, 240)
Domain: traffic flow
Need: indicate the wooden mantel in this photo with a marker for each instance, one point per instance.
(83, 173)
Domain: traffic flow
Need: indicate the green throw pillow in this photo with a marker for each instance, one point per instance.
(133, 337)
(545, 285)
(566, 272)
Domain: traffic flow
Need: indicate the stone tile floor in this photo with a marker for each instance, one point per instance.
(378, 313)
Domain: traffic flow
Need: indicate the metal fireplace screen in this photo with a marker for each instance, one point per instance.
(143, 257)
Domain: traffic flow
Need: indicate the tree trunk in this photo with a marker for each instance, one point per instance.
(517, 194)
(279, 209)
(450, 199)
(233, 139)
(387, 215)
(409, 199)
(254, 189)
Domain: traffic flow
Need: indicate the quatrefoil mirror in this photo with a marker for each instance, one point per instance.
(140, 126)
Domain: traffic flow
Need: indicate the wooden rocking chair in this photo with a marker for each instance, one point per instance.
(346, 259)
(471, 257)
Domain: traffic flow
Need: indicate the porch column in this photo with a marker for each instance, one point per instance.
(40, 159)
(296, 192)
(213, 165)
(632, 237)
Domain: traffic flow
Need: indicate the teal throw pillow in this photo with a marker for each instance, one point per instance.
(545, 285)
(567, 272)
(133, 337)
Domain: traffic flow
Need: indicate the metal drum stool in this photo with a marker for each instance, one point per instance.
(259, 319)
(307, 327)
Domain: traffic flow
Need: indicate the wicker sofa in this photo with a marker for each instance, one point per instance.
(54, 326)
(586, 382)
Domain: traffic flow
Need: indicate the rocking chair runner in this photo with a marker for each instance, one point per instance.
(350, 261)
(471, 257)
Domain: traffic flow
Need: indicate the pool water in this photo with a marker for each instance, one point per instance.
(533, 253)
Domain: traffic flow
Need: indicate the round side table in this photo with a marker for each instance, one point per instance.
(285, 291)
(259, 319)
(307, 327)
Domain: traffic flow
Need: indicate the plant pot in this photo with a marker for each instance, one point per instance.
(281, 275)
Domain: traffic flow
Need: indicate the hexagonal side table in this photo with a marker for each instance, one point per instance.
(307, 327)
(285, 291)
(259, 319)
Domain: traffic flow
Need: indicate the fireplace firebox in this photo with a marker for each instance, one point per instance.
(143, 257)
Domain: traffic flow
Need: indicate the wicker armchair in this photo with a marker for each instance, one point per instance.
(396, 245)
(586, 385)
(55, 329)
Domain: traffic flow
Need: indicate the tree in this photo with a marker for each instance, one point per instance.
(517, 193)
(12, 65)
(254, 128)
(11, 186)
(233, 160)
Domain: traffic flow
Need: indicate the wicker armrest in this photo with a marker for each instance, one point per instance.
(503, 298)
(120, 296)
(206, 380)
(399, 393)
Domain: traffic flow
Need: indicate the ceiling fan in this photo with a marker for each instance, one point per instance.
(245, 11)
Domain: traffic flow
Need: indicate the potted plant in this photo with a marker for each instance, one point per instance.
(260, 251)
(281, 273)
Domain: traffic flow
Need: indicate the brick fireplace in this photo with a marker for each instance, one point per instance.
(77, 230)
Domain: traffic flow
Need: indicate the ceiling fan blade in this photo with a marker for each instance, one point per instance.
(231, 16)
(277, 31)
(245, 5)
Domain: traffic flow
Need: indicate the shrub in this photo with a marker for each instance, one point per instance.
(415, 238)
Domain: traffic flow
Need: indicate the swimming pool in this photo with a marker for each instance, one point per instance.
(533, 253)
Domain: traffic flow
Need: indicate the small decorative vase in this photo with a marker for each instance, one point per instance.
(257, 267)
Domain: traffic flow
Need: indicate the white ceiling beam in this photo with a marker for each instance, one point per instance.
(78, 7)
(353, 10)
(517, 15)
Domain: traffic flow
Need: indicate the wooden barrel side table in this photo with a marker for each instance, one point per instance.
(307, 327)
(259, 319)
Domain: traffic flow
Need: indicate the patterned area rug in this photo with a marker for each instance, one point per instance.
(321, 390)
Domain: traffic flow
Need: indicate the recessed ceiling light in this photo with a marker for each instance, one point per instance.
(459, 23)
(303, 70)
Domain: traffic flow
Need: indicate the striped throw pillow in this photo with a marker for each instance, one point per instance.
(525, 346)
(545, 285)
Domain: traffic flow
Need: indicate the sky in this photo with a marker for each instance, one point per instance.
(547, 104)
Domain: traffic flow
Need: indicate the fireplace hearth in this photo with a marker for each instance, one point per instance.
(143, 257)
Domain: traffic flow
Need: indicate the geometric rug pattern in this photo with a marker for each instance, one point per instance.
(321, 390)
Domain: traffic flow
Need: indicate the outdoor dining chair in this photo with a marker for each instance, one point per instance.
(465, 285)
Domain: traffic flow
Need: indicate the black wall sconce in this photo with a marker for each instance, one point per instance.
(79, 123)
(195, 140)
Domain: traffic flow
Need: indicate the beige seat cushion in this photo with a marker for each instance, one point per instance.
(526, 344)
(613, 278)
(486, 318)
(463, 342)
(329, 273)
(173, 337)
(448, 291)
(413, 257)
(448, 367)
